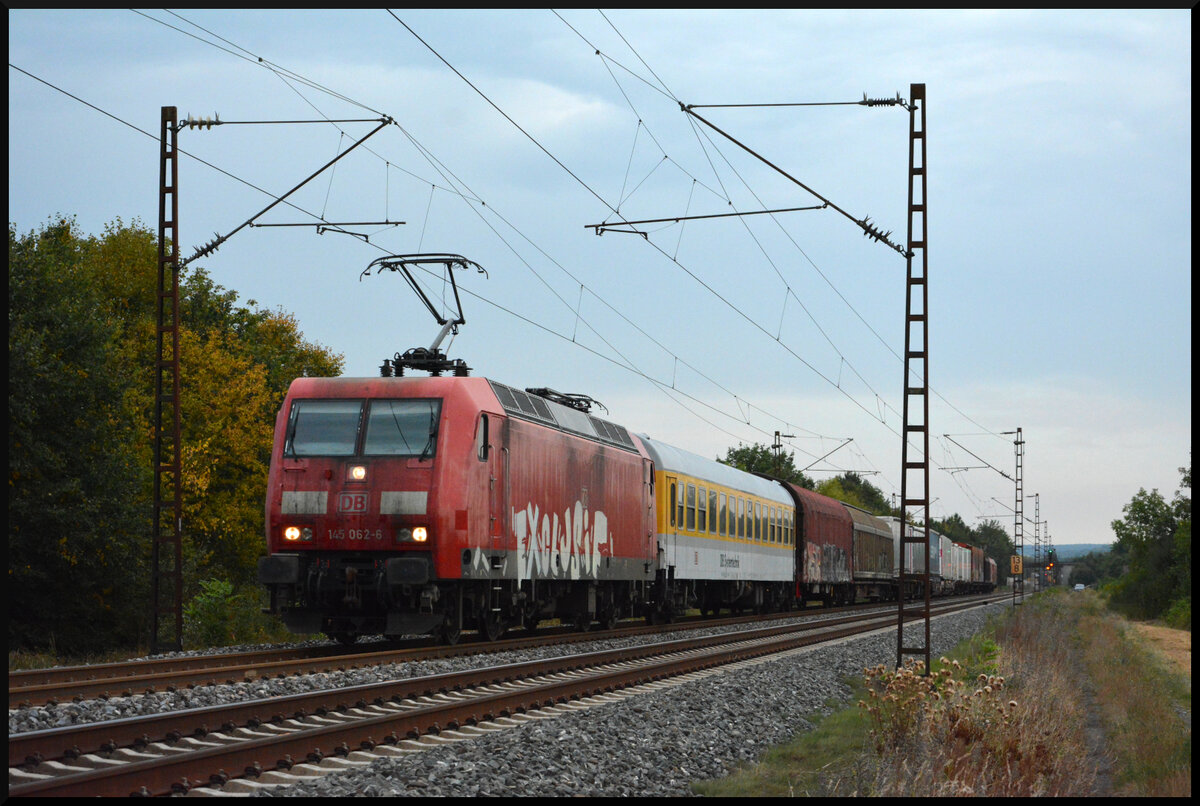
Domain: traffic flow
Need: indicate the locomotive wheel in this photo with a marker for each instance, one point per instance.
(493, 627)
(450, 632)
(609, 618)
(583, 622)
(345, 638)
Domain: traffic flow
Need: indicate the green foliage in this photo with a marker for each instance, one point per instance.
(760, 458)
(856, 491)
(1098, 566)
(957, 530)
(78, 545)
(219, 616)
(1179, 614)
(81, 382)
(1155, 537)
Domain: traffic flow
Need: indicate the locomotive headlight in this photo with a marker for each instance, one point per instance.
(417, 534)
(297, 533)
(357, 473)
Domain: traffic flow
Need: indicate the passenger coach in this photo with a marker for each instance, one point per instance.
(726, 538)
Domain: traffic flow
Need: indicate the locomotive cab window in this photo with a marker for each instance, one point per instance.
(323, 428)
(402, 428)
(481, 438)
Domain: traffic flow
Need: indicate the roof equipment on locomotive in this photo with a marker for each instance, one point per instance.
(427, 359)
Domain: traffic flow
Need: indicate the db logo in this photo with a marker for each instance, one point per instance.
(352, 502)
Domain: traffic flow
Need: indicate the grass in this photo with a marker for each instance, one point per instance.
(1141, 704)
(1054, 698)
(22, 659)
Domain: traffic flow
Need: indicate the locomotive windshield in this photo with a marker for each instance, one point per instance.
(393, 428)
(402, 428)
(323, 428)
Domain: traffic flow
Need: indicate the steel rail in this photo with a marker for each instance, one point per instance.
(41, 686)
(251, 755)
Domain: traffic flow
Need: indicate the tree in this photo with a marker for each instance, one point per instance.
(759, 458)
(872, 498)
(77, 538)
(82, 325)
(855, 491)
(956, 529)
(1097, 566)
(1156, 537)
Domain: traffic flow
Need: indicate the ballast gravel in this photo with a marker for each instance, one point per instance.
(652, 744)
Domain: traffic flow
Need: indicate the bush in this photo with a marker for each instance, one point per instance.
(219, 616)
(1179, 614)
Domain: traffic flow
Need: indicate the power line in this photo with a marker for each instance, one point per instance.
(628, 365)
(688, 271)
(865, 101)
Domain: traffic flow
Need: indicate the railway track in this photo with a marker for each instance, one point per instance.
(64, 684)
(241, 746)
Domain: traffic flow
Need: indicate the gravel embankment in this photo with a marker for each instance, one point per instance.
(648, 745)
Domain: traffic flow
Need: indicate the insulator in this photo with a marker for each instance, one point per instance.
(881, 101)
(202, 123)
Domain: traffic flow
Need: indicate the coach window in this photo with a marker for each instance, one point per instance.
(679, 507)
(702, 513)
(771, 523)
(691, 507)
(758, 521)
(724, 513)
(741, 517)
(671, 505)
(712, 512)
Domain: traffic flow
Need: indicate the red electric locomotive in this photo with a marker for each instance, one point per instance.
(425, 505)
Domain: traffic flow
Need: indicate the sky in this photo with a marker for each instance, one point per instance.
(1058, 195)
